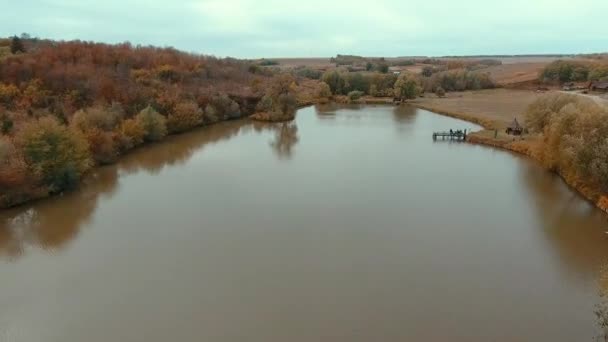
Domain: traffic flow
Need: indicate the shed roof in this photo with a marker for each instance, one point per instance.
(515, 125)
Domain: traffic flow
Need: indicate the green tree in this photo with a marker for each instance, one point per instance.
(17, 45)
(407, 87)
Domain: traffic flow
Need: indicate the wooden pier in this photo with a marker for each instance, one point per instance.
(451, 135)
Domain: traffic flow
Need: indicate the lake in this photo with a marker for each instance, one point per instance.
(349, 224)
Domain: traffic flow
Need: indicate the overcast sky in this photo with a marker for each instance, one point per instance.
(319, 28)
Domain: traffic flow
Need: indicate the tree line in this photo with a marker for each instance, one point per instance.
(68, 106)
(562, 71)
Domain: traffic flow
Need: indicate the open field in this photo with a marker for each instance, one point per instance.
(494, 108)
(321, 62)
(513, 73)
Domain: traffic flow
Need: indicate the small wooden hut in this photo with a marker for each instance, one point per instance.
(515, 128)
(599, 86)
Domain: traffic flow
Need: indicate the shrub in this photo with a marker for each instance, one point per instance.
(57, 155)
(102, 145)
(439, 92)
(222, 107)
(105, 119)
(355, 95)
(6, 123)
(185, 116)
(334, 80)
(210, 115)
(323, 91)
(309, 73)
(153, 124)
(427, 71)
(12, 166)
(382, 68)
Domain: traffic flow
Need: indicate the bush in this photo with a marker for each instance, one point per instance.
(57, 155)
(308, 73)
(102, 146)
(153, 124)
(382, 68)
(335, 81)
(186, 115)
(105, 119)
(355, 95)
(8, 94)
(323, 91)
(6, 123)
(131, 134)
(440, 92)
(210, 115)
(427, 71)
(12, 166)
(221, 107)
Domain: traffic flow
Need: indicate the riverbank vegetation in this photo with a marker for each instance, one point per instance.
(68, 106)
(575, 137)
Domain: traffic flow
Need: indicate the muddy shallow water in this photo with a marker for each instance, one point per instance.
(349, 224)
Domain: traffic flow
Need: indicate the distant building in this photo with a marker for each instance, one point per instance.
(515, 128)
(599, 86)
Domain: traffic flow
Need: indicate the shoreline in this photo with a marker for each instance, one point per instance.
(520, 145)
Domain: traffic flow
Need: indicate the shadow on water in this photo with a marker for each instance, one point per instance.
(51, 223)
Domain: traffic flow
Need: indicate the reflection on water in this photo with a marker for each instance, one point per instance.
(51, 223)
(574, 227)
(198, 238)
(286, 137)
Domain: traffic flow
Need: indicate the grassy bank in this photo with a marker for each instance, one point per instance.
(531, 145)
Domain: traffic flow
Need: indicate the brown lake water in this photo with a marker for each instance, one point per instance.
(349, 224)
